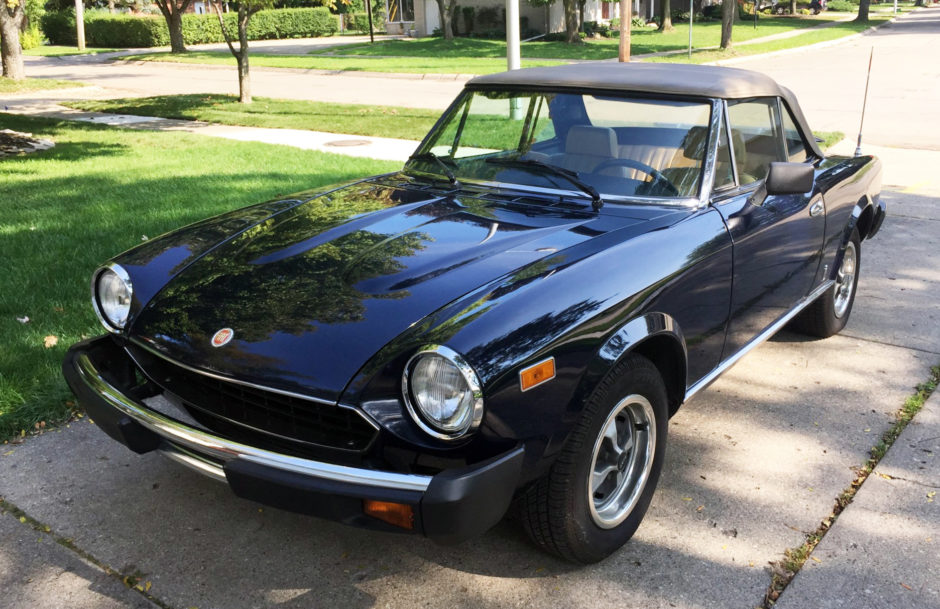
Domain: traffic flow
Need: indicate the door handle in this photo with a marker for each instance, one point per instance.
(817, 208)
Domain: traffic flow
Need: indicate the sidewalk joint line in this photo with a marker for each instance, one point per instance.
(783, 571)
(887, 344)
(130, 580)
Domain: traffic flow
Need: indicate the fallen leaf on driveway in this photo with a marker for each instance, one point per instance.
(50, 341)
(905, 586)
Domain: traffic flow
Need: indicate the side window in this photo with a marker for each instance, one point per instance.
(754, 137)
(724, 170)
(796, 148)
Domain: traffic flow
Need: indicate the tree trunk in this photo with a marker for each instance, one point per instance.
(244, 79)
(571, 22)
(863, 11)
(728, 9)
(11, 54)
(446, 10)
(174, 23)
(665, 22)
(626, 19)
(792, 7)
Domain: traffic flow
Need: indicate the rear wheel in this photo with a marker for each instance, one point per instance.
(830, 312)
(598, 490)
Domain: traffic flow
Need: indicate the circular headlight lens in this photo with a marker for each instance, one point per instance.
(442, 393)
(113, 296)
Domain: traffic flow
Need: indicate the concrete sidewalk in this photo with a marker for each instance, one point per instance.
(753, 464)
(383, 148)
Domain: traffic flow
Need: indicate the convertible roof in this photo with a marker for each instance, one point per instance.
(674, 79)
(667, 79)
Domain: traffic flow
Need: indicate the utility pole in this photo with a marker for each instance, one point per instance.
(80, 23)
(626, 17)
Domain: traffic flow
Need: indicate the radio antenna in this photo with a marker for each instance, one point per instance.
(858, 147)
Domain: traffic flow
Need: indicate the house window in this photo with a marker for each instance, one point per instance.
(400, 10)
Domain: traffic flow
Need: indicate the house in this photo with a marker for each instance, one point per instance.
(421, 17)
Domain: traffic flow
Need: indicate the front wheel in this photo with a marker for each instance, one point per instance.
(830, 312)
(599, 488)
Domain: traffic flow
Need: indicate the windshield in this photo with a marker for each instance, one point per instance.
(617, 146)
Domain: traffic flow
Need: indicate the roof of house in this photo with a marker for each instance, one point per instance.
(662, 78)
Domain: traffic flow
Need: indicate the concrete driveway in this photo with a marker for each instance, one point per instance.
(754, 463)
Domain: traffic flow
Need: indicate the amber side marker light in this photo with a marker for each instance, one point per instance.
(536, 374)
(398, 514)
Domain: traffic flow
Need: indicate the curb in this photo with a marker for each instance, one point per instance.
(817, 45)
(314, 71)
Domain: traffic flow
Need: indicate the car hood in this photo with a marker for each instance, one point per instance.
(311, 293)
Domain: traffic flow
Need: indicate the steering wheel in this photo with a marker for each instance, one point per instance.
(658, 177)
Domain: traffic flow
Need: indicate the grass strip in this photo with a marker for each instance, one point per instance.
(134, 580)
(794, 558)
(98, 192)
(8, 85)
(839, 30)
(381, 121)
(402, 65)
(642, 40)
(54, 50)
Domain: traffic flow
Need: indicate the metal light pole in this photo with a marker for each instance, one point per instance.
(512, 35)
(369, 14)
(80, 24)
(691, 19)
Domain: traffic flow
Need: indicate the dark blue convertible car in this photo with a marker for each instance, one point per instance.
(570, 254)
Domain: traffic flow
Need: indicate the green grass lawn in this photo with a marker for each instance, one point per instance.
(8, 85)
(412, 65)
(384, 121)
(53, 50)
(97, 193)
(642, 40)
(839, 30)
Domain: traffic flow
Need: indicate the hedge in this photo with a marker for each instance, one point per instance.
(107, 30)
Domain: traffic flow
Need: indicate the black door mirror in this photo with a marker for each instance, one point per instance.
(789, 178)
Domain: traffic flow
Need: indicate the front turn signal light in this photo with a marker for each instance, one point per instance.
(537, 374)
(398, 514)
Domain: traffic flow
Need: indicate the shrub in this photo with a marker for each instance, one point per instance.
(59, 27)
(712, 11)
(107, 30)
(842, 6)
(358, 22)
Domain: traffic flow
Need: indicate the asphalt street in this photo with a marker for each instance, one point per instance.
(754, 463)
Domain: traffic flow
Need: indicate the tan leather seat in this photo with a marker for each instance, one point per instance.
(587, 147)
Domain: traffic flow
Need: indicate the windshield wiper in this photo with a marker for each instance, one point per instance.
(571, 176)
(430, 156)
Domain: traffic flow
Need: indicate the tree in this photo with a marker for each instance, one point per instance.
(246, 8)
(572, 23)
(665, 18)
(12, 19)
(728, 9)
(448, 10)
(173, 13)
(863, 11)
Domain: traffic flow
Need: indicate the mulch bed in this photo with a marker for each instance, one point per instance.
(13, 143)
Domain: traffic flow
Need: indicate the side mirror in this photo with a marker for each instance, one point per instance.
(789, 178)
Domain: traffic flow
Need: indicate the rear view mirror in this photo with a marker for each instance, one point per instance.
(789, 178)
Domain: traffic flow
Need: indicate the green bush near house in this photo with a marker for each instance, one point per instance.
(127, 31)
(842, 6)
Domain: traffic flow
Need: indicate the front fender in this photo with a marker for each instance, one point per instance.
(655, 335)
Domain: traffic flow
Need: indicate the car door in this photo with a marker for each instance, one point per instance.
(777, 239)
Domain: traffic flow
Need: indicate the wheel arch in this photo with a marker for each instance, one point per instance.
(654, 335)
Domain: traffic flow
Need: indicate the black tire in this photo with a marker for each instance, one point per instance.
(829, 313)
(561, 512)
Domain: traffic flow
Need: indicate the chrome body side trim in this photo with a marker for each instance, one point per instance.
(211, 447)
(772, 329)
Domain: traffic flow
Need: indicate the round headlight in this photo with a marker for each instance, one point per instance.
(442, 393)
(111, 294)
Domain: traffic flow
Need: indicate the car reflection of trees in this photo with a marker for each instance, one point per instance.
(291, 294)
